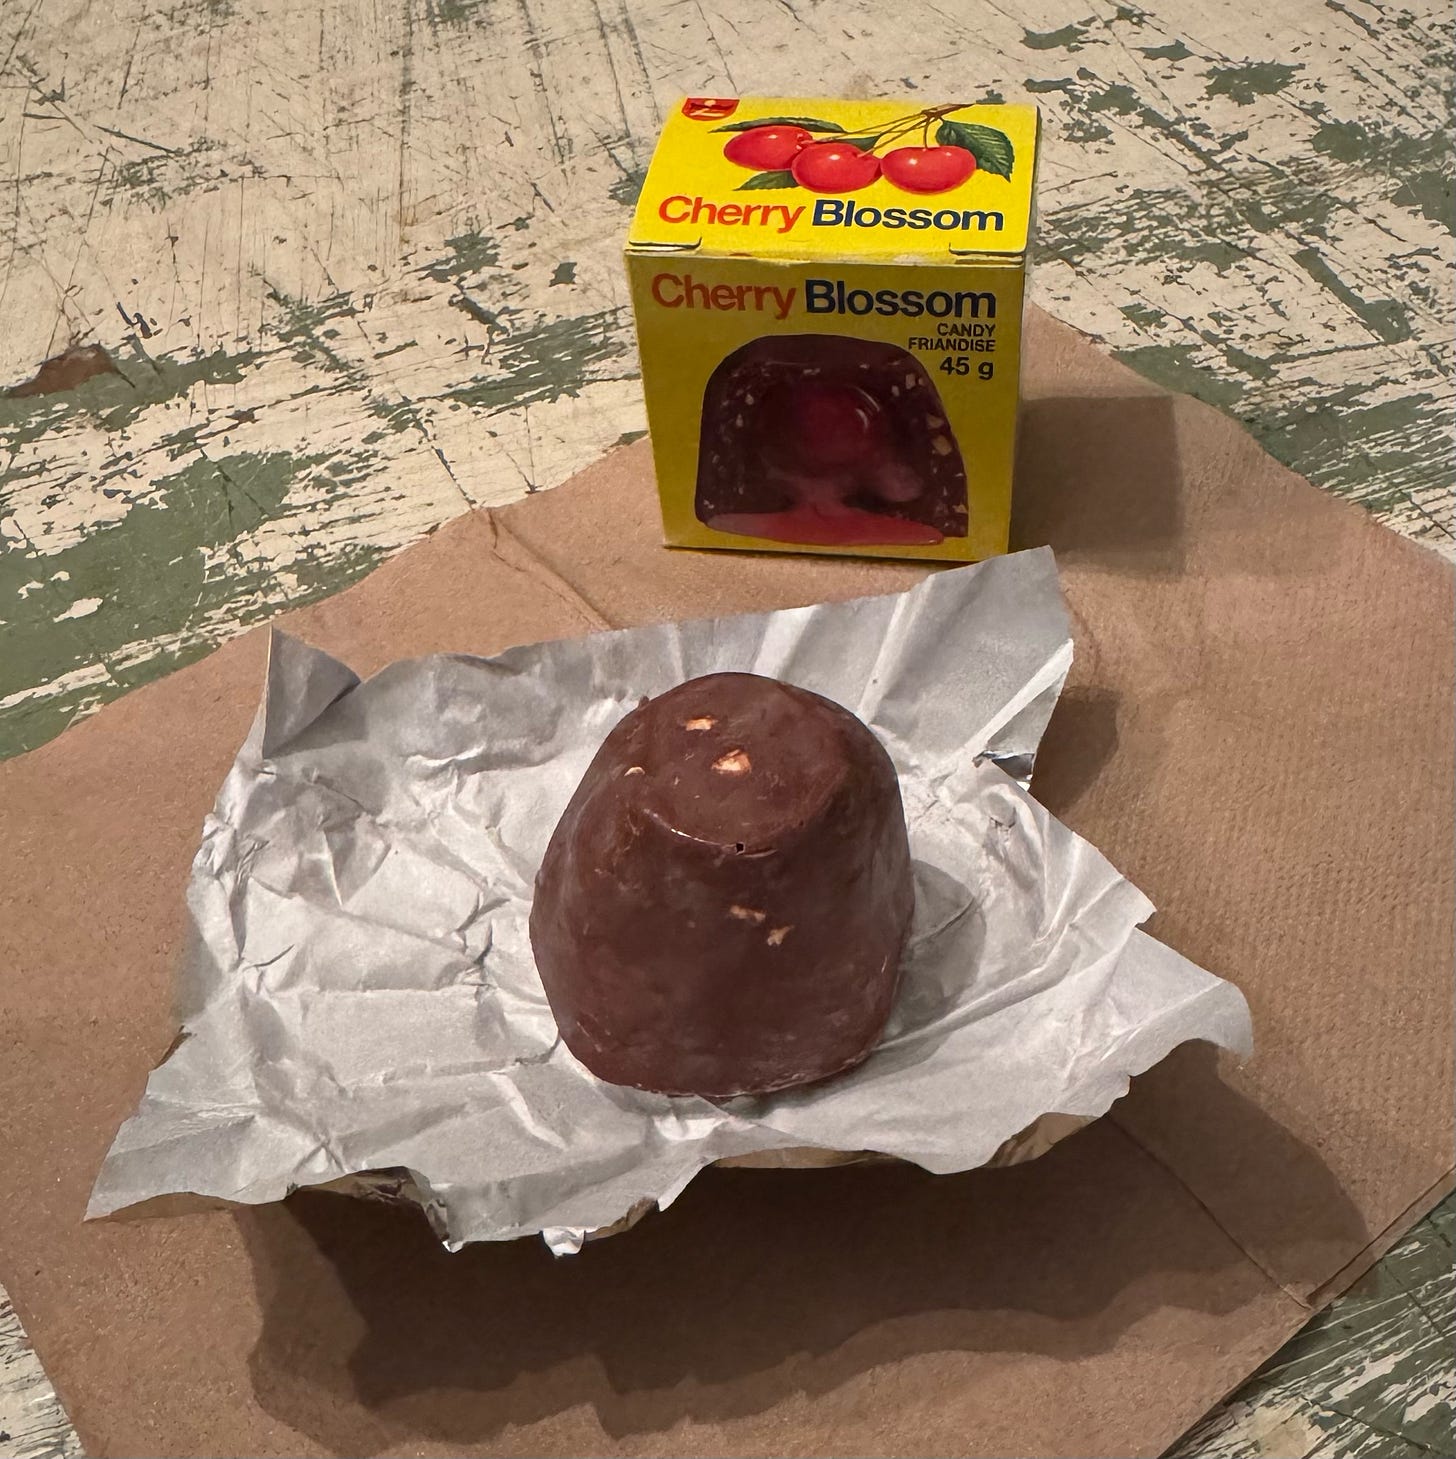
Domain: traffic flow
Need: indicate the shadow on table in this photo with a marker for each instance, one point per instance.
(1100, 480)
(1159, 487)
(754, 1287)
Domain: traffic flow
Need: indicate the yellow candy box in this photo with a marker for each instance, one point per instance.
(828, 298)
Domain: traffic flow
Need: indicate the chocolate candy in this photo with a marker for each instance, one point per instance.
(723, 905)
(824, 440)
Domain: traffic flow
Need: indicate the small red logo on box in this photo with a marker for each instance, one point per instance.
(709, 108)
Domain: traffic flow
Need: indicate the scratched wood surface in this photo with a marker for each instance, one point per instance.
(334, 270)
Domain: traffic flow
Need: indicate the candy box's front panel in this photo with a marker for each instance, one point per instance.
(865, 409)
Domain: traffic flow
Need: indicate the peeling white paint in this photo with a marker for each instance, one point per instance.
(81, 608)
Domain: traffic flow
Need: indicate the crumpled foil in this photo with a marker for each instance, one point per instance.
(360, 1006)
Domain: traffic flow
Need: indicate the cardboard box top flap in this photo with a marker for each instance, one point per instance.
(1234, 672)
(699, 198)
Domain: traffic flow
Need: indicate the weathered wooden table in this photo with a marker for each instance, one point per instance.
(348, 269)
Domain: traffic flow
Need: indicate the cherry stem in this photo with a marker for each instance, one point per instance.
(901, 126)
(890, 128)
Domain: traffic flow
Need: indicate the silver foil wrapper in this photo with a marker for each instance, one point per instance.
(359, 1006)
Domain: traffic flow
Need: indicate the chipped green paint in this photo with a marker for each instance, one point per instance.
(1096, 96)
(1252, 366)
(477, 311)
(156, 576)
(1387, 319)
(1153, 224)
(1424, 165)
(1221, 223)
(1242, 84)
(1429, 192)
(115, 401)
(1348, 141)
(162, 171)
(470, 254)
(148, 571)
(555, 357)
(628, 188)
(444, 13)
(1084, 130)
(1174, 51)
(1372, 453)
(300, 325)
(1042, 88)
(1115, 98)
(1068, 38)
(1380, 455)
(1143, 315)
(305, 327)
(1179, 367)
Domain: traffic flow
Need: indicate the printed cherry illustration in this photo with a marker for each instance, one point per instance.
(827, 443)
(927, 169)
(825, 428)
(838, 434)
(767, 149)
(834, 167)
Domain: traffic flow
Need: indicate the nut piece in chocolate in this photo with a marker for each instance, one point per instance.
(723, 905)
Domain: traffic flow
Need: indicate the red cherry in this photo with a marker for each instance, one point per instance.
(927, 169)
(824, 428)
(834, 167)
(767, 148)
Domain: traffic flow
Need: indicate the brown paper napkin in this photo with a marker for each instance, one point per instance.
(1258, 731)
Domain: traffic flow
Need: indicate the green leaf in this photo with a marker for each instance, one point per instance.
(991, 149)
(863, 143)
(809, 124)
(761, 180)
